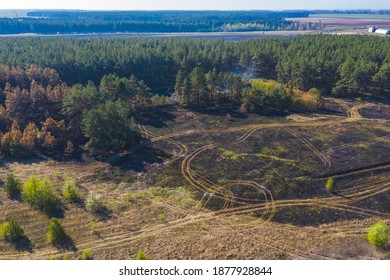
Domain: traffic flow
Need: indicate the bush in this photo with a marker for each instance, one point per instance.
(231, 155)
(307, 101)
(329, 185)
(159, 191)
(11, 231)
(39, 193)
(93, 203)
(141, 256)
(56, 232)
(87, 255)
(378, 235)
(12, 186)
(70, 190)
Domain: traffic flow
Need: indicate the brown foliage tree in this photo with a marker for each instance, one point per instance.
(30, 135)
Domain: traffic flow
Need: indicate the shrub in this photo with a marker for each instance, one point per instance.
(378, 235)
(12, 186)
(130, 196)
(70, 190)
(329, 185)
(56, 232)
(39, 193)
(141, 256)
(307, 101)
(230, 155)
(93, 203)
(158, 191)
(11, 231)
(92, 227)
(87, 255)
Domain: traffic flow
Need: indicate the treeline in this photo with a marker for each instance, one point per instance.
(202, 89)
(167, 16)
(54, 26)
(67, 22)
(59, 95)
(344, 65)
(197, 88)
(56, 119)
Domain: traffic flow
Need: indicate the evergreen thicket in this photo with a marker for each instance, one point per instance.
(58, 94)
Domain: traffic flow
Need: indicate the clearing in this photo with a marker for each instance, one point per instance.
(220, 184)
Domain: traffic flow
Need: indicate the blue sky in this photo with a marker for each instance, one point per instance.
(194, 4)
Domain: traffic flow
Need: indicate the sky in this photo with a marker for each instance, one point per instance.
(195, 4)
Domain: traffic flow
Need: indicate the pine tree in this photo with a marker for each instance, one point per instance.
(49, 141)
(12, 186)
(29, 138)
(55, 232)
(69, 147)
(179, 83)
(186, 97)
(199, 86)
(11, 231)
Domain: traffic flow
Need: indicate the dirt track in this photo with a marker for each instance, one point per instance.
(233, 205)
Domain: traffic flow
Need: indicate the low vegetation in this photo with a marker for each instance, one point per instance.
(230, 155)
(94, 203)
(11, 231)
(39, 193)
(70, 190)
(12, 186)
(56, 232)
(141, 256)
(329, 185)
(87, 254)
(378, 235)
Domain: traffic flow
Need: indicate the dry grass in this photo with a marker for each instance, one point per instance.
(270, 203)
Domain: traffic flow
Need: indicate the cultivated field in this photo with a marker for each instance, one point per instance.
(354, 24)
(13, 13)
(352, 16)
(219, 184)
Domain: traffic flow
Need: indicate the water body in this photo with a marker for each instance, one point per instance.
(227, 36)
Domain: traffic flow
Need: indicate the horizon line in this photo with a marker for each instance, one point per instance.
(193, 10)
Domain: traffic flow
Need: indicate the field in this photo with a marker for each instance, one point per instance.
(13, 13)
(220, 184)
(345, 23)
(354, 16)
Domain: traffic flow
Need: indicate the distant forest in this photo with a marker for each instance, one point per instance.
(65, 22)
(60, 94)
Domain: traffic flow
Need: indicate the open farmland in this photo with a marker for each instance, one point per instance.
(346, 23)
(220, 184)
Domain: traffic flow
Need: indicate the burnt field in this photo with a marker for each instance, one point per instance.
(220, 184)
